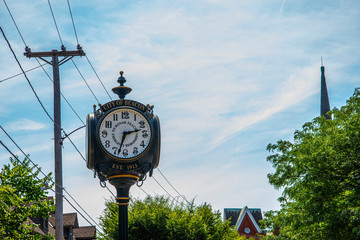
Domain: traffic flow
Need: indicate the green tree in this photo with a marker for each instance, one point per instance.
(21, 197)
(319, 173)
(159, 218)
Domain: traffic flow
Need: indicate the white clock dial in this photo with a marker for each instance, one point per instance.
(125, 133)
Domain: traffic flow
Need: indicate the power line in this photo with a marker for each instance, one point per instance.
(85, 82)
(40, 65)
(173, 186)
(8, 78)
(80, 208)
(98, 77)
(51, 117)
(29, 170)
(57, 121)
(60, 92)
(32, 88)
(21, 149)
(39, 169)
(165, 190)
(144, 191)
(103, 234)
(77, 40)
(57, 29)
(14, 22)
(72, 19)
(47, 113)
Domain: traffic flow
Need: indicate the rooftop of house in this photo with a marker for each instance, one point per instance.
(85, 233)
(69, 220)
(232, 214)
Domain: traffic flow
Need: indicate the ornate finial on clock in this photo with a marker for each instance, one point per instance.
(121, 90)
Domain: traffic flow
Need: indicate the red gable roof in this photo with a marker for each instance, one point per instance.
(246, 223)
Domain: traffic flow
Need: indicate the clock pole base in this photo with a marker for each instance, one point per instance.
(122, 184)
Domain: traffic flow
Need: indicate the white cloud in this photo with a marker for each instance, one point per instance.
(25, 124)
(299, 86)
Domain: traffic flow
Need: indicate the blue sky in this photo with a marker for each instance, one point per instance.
(226, 79)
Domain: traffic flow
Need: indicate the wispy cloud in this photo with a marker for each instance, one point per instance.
(25, 124)
(299, 86)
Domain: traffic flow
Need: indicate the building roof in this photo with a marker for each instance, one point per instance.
(234, 213)
(69, 220)
(245, 212)
(85, 232)
(37, 229)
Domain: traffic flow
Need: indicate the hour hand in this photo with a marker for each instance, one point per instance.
(136, 130)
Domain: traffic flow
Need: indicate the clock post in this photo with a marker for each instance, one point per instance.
(123, 145)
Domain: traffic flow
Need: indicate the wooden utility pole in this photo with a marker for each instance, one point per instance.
(55, 54)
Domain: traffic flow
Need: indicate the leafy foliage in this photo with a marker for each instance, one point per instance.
(159, 218)
(21, 197)
(320, 176)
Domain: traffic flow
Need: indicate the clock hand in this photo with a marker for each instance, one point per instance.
(136, 130)
(122, 141)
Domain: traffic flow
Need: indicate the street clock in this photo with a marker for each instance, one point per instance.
(122, 146)
(122, 138)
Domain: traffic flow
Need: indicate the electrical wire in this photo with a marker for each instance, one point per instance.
(40, 65)
(72, 19)
(47, 113)
(29, 170)
(41, 180)
(14, 22)
(21, 149)
(165, 189)
(72, 108)
(77, 40)
(103, 234)
(144, 191)
(32, 88)
(57, 29)
(85, 82)
(45, 183)
(80, 208)
(173, 187)
(98, 76)
(8, 78)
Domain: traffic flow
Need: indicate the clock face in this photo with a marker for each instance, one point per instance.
(124, 133)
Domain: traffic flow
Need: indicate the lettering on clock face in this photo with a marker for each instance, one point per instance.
(125, 133)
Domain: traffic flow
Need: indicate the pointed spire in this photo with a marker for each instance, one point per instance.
(325, 103)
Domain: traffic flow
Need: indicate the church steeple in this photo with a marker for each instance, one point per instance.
(325, 103)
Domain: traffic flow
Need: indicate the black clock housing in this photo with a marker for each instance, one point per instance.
(133, 145)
